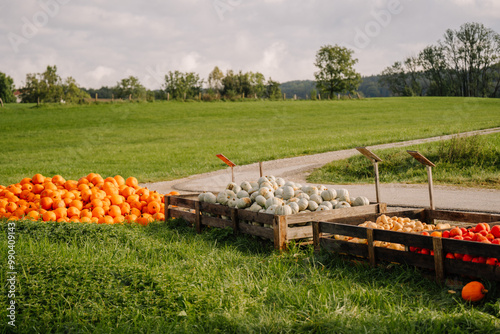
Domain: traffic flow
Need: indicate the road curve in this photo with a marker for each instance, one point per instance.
(297, 168)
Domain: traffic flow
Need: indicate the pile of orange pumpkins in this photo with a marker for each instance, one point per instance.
(482, 232)
(91, 199)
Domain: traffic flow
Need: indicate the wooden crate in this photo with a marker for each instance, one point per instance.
(323, 231)
(280, 229)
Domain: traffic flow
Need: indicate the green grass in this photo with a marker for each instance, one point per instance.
(165, 278)
(470, 161)
(168, 140)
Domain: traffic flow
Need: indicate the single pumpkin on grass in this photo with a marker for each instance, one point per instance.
(473, 291)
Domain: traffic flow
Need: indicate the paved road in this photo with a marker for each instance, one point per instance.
(296, 169)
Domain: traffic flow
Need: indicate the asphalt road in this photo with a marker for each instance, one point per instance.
(296, 169)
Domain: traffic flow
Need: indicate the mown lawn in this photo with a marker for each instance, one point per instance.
(165, 278)
(168, 140)
(469, 162)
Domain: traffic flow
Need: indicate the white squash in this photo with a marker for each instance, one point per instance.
(288, 192)
(310, 190)
(328, 204)
(260, 200)
(223, 197)
(273, 201)
(328, 194)
(210, 198)
(294, 206)
(278, 193)
(303, 203)
(342, 204)
(360, 201)
(323, 208)
(245, 185)
(266, 192)
(342, 195)
(272, 209)
(232, 201)
(262, 179)
(233, 187)
(303, 195)
(284, 210)
(242, 193)
(266, 184)
(243, 203)
(280, 181)
(312, 205)
(201, 197)
(290, 184)
(317, 198)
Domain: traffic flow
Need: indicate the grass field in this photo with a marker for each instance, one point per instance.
(165, 278)
(168, 140)
(470, 162)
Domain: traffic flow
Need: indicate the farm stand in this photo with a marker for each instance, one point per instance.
(324, 230)
(280, 229)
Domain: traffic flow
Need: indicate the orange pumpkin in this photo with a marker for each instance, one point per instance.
(473, 291)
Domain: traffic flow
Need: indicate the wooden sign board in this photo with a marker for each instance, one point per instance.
(369, 154)
(420, 158)
(226, 160)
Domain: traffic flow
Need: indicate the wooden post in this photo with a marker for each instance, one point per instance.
(96, 97)
(234, 219)
(319, 96)
(255, 95)
(129, 97)
(184, 96)
(371, 247)
(437, 244)
(431, 190)
(260, 169)
(294, 97)
(1, 102)
(232, 174)
(197, 217)
(377, 181)
(284, 96)
(167, 208)
(316, 236)
(168, 96)
(199, 96)
(112, 97)
(279, 228)
(38, 101)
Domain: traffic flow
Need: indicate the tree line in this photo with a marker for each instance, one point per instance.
(465, 63)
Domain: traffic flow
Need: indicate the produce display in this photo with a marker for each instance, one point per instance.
(401, 224)
(274, 195)
(91, 199)
(479, 233)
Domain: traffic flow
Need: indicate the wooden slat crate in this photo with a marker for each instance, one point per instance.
(280, 229)
(323, 231)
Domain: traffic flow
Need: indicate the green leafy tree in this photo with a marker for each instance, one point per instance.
(72, 93)
(273, 90)
(183, 85)
(6, 88)
(336, 72)
(130, 87)
(43, 87)
(215, 80)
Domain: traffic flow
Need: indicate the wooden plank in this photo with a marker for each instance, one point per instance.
(259, 231)
(332, 214)
(414, 259)
(234, 218)
(182, 202)
(342, 229)
(215, 209)
(299, 232)
(279, 228)
(187, 216)
(438, 258)
(470, 269)
(259, 217)
(216, 222)
(358, 219)
(467, 217)
(470, 247)
(344, 247)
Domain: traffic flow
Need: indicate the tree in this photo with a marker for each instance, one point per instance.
(183, 85)
(273, 90)
(336, 72)
(130, 87)
(43, 87)
(6, 88)
(215, 80)
(72, 93)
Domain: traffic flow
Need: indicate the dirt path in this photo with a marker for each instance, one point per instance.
(296, 169)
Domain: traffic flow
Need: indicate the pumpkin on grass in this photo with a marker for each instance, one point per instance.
(473, 291)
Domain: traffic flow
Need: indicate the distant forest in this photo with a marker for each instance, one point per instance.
(304, 89)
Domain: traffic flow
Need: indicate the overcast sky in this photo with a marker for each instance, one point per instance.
(99, 42)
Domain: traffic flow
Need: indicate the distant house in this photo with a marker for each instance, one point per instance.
(17, 94)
